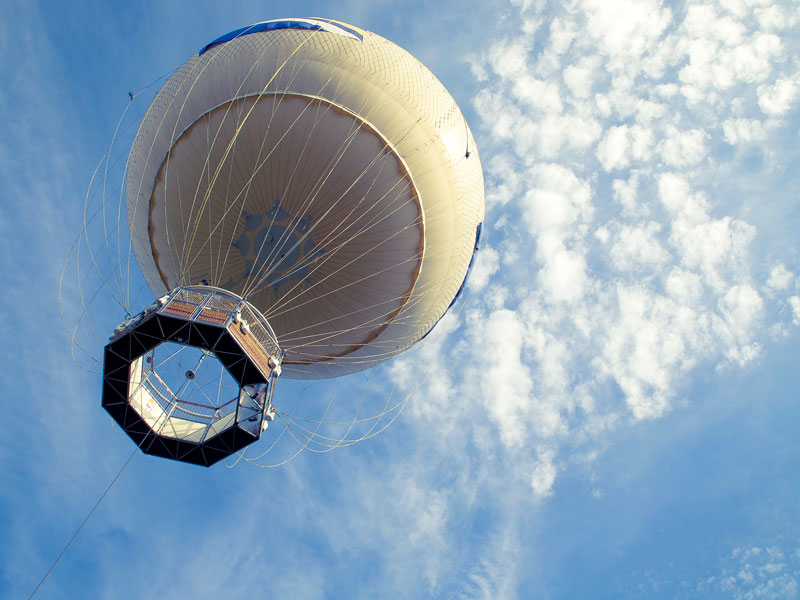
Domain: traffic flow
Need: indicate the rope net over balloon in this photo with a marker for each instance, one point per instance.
(291, 198)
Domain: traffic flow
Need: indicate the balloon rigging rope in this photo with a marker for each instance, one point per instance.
(210, 147)
(315, 436)
(330, 171)
(287, 297)
(220, 222)
(396, 408)
(296, 431)
(260, 278)
(74, 253)
(185, 252)
(276, 102)
(266, 262)
(275, 309)
(288, 293)
(154, 139)
(311, 340)
(240, 455)
(120, 296)
(342, 220)
(117, 282)
(410, 339)
(231, 143)
(318, 184)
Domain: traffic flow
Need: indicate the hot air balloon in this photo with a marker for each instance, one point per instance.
(305, 199)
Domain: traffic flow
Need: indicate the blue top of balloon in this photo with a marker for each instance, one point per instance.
(314, 23)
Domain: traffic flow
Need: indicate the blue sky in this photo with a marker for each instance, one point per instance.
(611, 413)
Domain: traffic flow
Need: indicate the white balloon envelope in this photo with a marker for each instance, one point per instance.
(304, 198)
(320, 172)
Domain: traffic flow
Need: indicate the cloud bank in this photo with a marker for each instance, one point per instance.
(626, 147)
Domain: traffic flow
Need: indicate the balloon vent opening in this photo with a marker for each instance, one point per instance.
(191, 377)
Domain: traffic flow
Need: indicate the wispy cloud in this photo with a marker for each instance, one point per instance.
(611, 129)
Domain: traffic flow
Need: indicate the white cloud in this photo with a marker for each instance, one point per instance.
(537, 94)
(638, 247)
(580, 77)
(778, 98)
(622, 145)
(562, 32)
(544, 475)
(686, 287)
(556, 200)
(627, 29)
(794, 302)
(626, 194)
(773, 16)
(718, 63)
(503, 380)
(495, 575)
(637, 278)
(509, 58)
(644, 344)
(738, 131)
(741, 307)
(486, 265)
(563, 275)
(780, 278)
(717, 247)
(504, 182)
(754, 572)
(683, 148)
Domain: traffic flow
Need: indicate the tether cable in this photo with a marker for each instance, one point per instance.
(77, 531)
